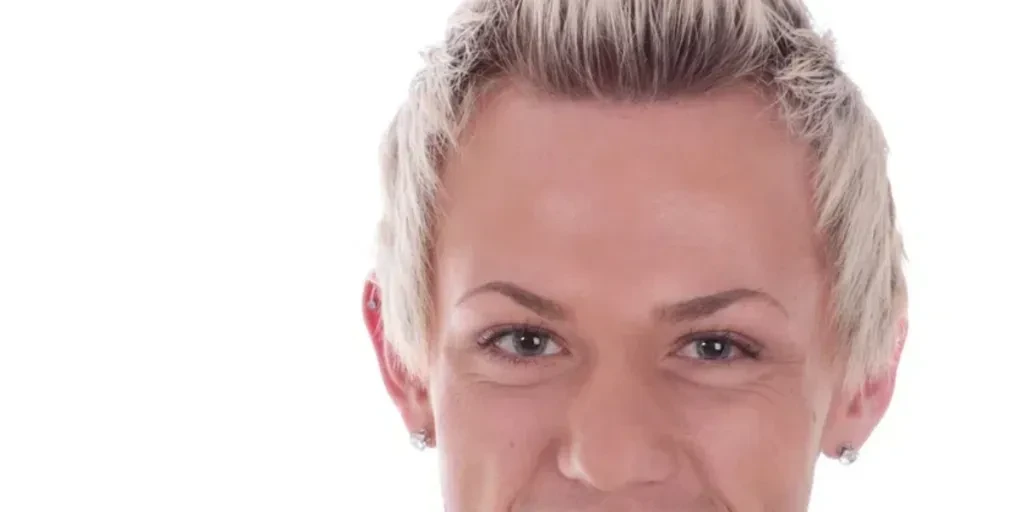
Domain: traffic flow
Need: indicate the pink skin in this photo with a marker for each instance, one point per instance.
(611, 214)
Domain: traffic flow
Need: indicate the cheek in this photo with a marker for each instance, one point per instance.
(756, 444)
(492, 439)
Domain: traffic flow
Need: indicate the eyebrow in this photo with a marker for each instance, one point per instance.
(707, 305)
(544, 307)
(685, 310)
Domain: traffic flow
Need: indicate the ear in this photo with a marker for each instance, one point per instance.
(406, 391)
(854, 415)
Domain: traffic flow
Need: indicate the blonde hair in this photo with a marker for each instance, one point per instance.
(626, 50)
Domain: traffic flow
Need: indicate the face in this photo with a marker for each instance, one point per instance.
(629, 311)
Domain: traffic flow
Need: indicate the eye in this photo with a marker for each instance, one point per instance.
(523, 343)
(715, 347)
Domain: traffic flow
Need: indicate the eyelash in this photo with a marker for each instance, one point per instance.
(488, 339)
(747, 347)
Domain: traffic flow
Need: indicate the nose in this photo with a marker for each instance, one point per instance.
(618, 434)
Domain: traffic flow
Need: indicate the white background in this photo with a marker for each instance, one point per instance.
(187, 196)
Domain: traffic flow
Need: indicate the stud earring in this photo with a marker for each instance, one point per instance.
(420, 439)
(372, 303)
(847, 455)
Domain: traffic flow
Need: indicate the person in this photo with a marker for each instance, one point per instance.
(636, 255)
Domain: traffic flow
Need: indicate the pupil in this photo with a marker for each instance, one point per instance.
(529, 343)
(712, 349)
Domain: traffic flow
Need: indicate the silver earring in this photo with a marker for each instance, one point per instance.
(420, 439)
(372, 303)
(847, 455)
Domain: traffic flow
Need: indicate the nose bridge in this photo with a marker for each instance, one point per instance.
(618, 433)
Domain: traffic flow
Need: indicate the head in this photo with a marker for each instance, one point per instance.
(636, 255)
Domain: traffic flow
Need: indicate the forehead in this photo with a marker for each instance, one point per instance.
(700, 193)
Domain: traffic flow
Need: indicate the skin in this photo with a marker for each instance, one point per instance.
(647, 249)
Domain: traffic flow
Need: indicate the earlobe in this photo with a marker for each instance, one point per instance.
(406, 391)
(853, 417)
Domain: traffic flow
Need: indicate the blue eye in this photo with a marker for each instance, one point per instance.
(715, 347)
(523, 342)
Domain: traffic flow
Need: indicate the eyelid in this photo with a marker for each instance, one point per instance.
(491, 334)
(488, 338)
(750, 348)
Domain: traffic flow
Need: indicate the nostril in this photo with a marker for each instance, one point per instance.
(617, 464)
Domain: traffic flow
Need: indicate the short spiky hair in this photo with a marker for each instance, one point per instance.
(636, 50)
